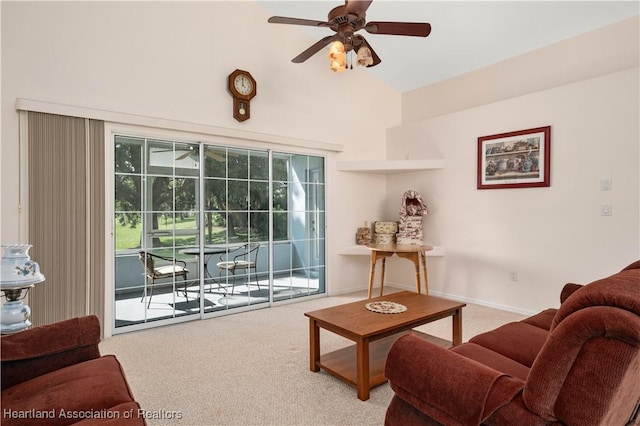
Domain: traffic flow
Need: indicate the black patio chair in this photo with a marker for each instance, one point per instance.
(169, 268)
(243, 258)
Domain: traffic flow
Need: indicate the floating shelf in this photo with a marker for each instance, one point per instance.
(390, 166)
(356, 250)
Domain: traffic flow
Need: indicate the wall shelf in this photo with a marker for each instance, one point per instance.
(390, 166)
(356, 250)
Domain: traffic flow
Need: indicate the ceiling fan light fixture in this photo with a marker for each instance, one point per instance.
(337, 57)
(364, 58)
(345, 21)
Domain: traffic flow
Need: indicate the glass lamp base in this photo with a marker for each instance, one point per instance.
(14, 317)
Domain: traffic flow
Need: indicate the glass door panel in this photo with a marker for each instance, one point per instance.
(156, 204)
(298, 220)
(236, 208)
(194, 225)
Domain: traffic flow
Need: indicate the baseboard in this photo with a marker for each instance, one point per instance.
(459, 298)
(456, 297)
(347, 291)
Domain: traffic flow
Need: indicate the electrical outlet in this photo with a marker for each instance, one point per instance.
(513, 276)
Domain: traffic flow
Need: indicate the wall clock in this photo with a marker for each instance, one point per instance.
(243, 88)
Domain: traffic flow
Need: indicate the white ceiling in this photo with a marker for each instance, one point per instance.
(466, 35)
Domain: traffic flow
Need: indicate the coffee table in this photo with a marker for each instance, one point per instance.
(362, 364)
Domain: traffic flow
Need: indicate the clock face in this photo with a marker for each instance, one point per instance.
(243, 84)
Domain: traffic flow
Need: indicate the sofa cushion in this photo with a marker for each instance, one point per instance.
(620, 290)
(400, 412)
(516, 340)
(43, 349)
(426, 375)
(600, 346)
(89, 388)
(634, 265)
(543, 320)
(492, 359)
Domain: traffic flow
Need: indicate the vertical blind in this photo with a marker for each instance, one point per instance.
(66, 215)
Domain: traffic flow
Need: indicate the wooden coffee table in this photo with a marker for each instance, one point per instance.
(362, 364)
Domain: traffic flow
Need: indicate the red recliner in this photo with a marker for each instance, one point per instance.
(577, 365)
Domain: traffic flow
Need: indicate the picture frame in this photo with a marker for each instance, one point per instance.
(519, 159)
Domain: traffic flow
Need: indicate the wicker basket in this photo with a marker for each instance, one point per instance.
(381, 227)
(384, 238)
(363, 236)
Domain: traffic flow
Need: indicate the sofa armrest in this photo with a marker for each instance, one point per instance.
(444, 385)
(568, 290)
(634, 265)
(40, 350)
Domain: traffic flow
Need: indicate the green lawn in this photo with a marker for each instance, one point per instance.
(128, 238)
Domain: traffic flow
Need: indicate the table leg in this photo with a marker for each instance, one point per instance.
(424, 268)
(457, 327)
(415, 258)
(372, 271)
(205, 272)
(314, 345)
(206, 267)
(384, 264)
(362, 361)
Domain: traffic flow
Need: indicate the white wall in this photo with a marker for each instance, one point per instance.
(587, 89)
(171, 60)
(603, 51)
(549, 236)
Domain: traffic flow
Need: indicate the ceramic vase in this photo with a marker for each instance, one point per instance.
(18, 273)
(17, 267)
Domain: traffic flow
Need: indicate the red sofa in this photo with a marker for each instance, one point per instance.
(54, 375)
(575, 365)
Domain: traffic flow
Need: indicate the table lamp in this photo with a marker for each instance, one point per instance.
(18, 273)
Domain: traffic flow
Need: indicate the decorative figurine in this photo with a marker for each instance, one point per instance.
(411, 212)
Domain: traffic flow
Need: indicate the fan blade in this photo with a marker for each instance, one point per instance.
(297, 21)
(183, 156)
(215, 156)
(376, 58)
(357, 7)
(314, 49)
(417, 29)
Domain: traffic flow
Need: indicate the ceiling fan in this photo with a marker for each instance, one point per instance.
(193, 153)
(345, 21)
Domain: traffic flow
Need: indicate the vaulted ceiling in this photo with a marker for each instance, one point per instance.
(466, 35)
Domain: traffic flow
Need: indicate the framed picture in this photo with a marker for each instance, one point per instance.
(518, 159)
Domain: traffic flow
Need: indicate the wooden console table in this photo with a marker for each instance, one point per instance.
(414, 253)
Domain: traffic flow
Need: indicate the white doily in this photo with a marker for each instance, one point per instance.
(384, 307)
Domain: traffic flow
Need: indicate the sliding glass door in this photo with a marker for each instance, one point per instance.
(201, 229)
(236, 208)
(298, 218)
(156, 204)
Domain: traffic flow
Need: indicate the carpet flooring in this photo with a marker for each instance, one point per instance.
(252, 368)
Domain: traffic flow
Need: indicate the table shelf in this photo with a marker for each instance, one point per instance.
(358, 250)
(342, 362)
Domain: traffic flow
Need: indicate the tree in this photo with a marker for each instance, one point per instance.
(236, 188)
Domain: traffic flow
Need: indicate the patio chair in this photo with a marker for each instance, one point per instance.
(243, 258)
(174, 268)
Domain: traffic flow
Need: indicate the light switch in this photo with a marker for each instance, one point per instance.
(605, 184)
(605, 209)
